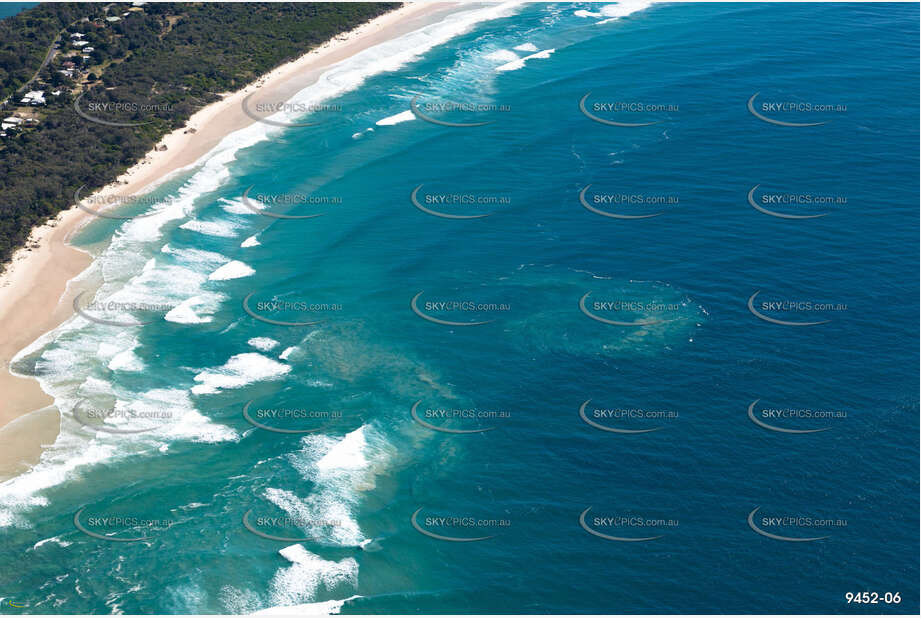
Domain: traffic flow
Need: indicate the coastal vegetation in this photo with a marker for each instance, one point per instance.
(147, 67)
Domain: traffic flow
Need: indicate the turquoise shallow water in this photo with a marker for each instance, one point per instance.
(686, 365)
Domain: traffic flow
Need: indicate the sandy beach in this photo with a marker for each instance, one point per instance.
(34, 293)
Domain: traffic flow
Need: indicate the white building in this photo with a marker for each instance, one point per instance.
(35, 97)
(10, 122)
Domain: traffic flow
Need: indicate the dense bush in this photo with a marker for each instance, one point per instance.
(175, 56)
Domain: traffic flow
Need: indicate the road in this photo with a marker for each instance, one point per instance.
(48, 56)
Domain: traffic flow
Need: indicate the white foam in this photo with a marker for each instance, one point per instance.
(195, 310)
(396, 119)
(107, 350)
(252, 241)
(503, 55)
(238, 602)
(184, 421)
(232, 270)
(299, 583)
(392, 55)
(126, 361)
(526, 47)
(287, 352)
(613, 12)
(194, 257)
(339, 469)
(239, 370)
(262, 343)
(519, 64)
(347, 453)
(69, 363)
(323, 608)
(185, 314)
(324, 516)
(55, 466)
(223, 229)
(55, 539)
(92, 387)
(237, 207)
(361, 134)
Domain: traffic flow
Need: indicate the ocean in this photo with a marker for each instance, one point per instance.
(8, 9)
(543, 308)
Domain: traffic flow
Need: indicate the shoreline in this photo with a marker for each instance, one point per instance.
(38, 275)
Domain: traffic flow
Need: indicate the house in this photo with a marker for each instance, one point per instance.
(80, 43)
(89, 50)
(34, 97)
(113, 19)
(68, 64)
(77, 35)
(10, 122)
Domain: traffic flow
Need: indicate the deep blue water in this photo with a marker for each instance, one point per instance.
(691, 359)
